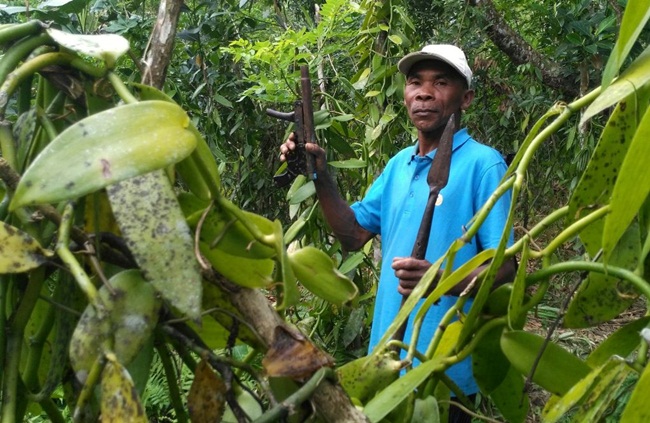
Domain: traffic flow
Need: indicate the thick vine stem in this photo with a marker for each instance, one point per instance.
(576, 266)
(68, 258)
(8, 144)
(301, 395)
(573, 230)
(16, 53)
(121, 88)
(88, 389)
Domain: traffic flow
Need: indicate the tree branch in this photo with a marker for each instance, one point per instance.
(520, 51)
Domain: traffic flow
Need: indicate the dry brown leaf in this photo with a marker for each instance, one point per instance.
(207, 397)
(294, 356)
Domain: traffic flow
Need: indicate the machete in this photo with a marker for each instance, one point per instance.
(437, 179)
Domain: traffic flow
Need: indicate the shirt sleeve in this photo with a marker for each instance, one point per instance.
(368, 210)
(490, 232)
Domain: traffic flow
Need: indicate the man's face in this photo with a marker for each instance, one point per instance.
(434, 90)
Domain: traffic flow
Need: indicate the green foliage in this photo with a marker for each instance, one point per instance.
(234, 59)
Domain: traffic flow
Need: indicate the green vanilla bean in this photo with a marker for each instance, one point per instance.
(15, 335)
(15, 78)
(8, 144)
(36, 344)
(18, 52)
(15, 32)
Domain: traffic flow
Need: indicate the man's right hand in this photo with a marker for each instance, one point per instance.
(289, 147)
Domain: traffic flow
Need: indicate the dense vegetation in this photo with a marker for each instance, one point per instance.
(149, 266)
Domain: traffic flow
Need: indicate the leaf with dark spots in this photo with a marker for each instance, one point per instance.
(120, 401)
(20, 252)
(601, 297)
(596, 186)
(159, 238)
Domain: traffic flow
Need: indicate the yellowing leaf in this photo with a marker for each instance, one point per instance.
(105, 148)
(120, 401)
(637, 409)
(19, 252)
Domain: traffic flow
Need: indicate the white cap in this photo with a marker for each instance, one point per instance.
(443, 52)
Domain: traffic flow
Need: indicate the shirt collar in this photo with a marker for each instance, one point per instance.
(460, 137)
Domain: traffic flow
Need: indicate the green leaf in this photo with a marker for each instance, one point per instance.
(19, 252)
(631, 188)
(597, 181)
(602, 297)
(223, 101)
(637, 409)
(107, 47)
(634, 78)
(425, 410)
(105, 148)
(155, 230)
(348, 164)
(636, 16)
(489, 365)
(621, 343)
(247, 272)
(557, 370)
(393, 395)
(316, 271)
(223, 231)
(511, 398)
(304, 192)
(128, 318)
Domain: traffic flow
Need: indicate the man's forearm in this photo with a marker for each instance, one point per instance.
(339, 214)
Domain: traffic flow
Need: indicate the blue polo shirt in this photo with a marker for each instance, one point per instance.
(393, 208)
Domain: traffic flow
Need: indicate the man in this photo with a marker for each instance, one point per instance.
(438, 84)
